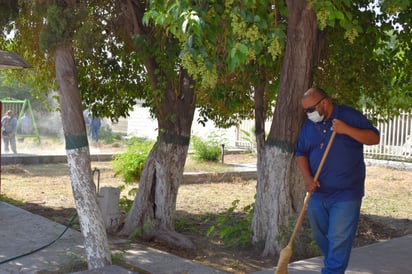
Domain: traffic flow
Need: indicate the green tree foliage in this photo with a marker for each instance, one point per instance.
(21, 34)
(111, 74)
(229, 48)
(110, 78)
(62, 23)
(224, 45)
(371, 70)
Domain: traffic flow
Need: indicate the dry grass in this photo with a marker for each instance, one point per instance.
(47, 184)
(214, 197)
(387, 207)
(388, 193)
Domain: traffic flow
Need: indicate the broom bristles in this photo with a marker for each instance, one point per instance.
(284, 259)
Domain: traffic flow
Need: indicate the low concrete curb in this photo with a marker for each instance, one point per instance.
(201, 177)
(29, 159)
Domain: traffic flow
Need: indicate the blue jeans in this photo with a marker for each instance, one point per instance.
(334, 226)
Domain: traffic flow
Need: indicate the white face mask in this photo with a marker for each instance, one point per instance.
(315, 116)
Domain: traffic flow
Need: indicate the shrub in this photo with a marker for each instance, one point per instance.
(206, 150)
(235, 228)
(129, 165)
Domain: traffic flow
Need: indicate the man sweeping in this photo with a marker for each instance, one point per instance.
(334, 206)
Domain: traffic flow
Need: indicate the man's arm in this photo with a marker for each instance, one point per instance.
(364, 136)
(303, 165)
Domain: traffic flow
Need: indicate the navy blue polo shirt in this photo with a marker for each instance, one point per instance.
(343, 175)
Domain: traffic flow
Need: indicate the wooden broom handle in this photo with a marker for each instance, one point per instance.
(309, 194)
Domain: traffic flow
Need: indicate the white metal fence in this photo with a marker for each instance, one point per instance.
(395, 143)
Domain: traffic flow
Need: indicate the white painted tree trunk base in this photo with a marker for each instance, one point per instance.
(91, 220)
(274, 199)
(152, 212)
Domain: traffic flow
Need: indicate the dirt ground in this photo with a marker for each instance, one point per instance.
(46, 190)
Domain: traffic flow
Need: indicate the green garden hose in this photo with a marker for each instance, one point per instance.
(72, 219)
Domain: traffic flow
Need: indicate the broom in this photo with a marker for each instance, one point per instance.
(286, 252)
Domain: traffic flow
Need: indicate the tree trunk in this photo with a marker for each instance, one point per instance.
(78, 157)
(151, 215)
(152, 212)
(280, 191)
(153, 209)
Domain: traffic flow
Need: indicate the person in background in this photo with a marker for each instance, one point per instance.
(95, 125)
(9, 127)
(86, 121)
(334, 207)
(26, 125)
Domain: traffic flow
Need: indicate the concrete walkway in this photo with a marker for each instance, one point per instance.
(22, 232)
(390, 257)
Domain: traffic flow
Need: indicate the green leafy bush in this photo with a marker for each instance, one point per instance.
(209, 150)
(235, 228)
(129, 165)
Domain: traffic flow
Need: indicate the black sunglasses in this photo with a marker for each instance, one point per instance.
(313, 108)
